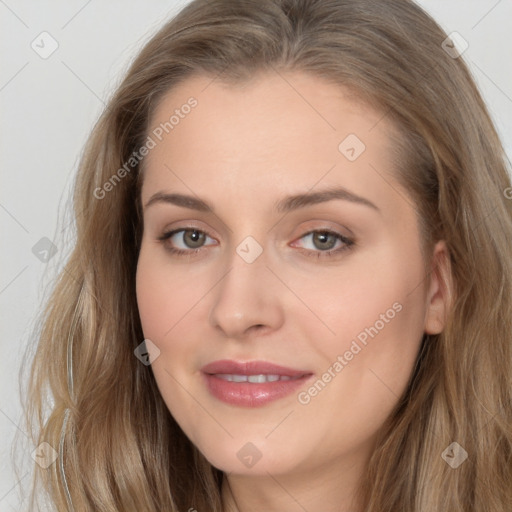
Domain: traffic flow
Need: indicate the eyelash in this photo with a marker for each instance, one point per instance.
(348, 243)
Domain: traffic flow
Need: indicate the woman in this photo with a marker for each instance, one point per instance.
(291, 285)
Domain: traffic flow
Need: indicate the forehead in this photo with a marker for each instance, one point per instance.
(267, 107)
(277, 131)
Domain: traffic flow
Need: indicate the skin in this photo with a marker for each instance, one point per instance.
(241, 149)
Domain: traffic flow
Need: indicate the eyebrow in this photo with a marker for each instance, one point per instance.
(288, 204)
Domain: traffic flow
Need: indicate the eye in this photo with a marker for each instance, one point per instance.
(323, 243)
(191, 240)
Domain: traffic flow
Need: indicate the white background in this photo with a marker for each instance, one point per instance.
(48, 107)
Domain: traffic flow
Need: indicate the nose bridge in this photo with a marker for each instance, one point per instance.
(247, 295)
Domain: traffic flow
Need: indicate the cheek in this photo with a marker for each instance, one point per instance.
(380, 290)
(164, 293)
(153, 301)
(165, 299)
(375, 313)
(379, 320)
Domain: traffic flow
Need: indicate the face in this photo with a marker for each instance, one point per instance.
(280, 277)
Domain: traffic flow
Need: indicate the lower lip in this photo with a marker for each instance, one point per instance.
(246, 394)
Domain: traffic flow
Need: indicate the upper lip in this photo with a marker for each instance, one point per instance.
(250, 368)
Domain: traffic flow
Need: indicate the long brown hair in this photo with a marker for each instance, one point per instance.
(120, 449)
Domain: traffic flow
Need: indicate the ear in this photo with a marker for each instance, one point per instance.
(440, 290)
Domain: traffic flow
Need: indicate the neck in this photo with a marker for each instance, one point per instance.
(327, 489)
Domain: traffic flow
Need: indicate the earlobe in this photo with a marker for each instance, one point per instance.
(440, 291)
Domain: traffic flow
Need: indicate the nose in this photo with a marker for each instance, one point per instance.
(248, 299)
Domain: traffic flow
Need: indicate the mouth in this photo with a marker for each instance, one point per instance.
(252, 383)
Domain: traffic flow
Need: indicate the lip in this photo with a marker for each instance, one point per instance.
(247, 394)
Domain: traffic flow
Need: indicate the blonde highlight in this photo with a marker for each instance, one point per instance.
(120, 448)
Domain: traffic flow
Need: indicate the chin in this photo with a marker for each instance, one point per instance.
(248, 458)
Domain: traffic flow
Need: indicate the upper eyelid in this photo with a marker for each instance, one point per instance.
(172, 232)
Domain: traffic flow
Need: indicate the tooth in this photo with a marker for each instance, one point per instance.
(254, 379)
(257, 379)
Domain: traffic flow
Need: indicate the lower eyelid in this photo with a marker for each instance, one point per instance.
(347, 242)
